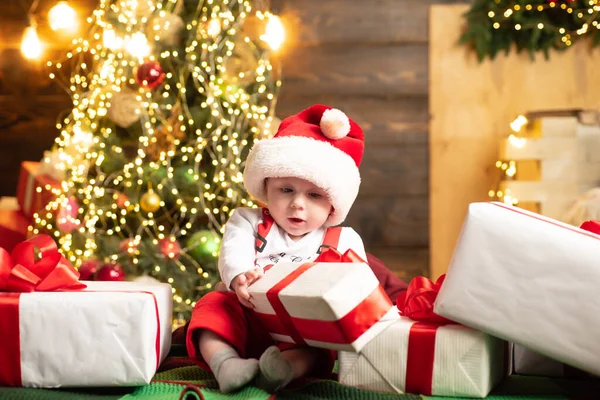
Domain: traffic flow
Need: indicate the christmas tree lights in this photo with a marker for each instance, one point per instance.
(168, 97)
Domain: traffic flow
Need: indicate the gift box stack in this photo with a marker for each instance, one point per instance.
(56, 331)
(337, 303)
(530, 280)
(39, 183)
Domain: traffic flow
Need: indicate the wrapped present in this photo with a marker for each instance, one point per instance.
(528, 279)
(424, 354)
(335, 303)
(35, 189)
(58, 332)
(528, 362)
(13, 228)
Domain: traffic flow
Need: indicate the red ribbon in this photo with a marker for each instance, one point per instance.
(20, 272)
(343, 331)
(417, 304)
(332, 255)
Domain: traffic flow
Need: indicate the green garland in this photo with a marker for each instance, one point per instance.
(533, 26)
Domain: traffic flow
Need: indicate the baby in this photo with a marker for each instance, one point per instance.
(308, 177)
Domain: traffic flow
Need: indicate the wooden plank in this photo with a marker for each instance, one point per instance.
(471, 103)
(395, 171)
(391, 221)
(384, 120)
(406, 263)
(314, 22)
(356, 70)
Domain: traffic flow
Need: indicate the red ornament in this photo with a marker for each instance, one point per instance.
(123, 201)
(87, 270)
(150, 74)
(129, 246)
(110, 272)
(170, 248)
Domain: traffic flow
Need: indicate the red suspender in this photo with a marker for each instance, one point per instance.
(330, 240)
(263, 230)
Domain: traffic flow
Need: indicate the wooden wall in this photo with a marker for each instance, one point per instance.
(370, 59)
(471, 107)
(29, 101)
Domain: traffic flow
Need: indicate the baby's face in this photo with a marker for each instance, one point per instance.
(297, 205)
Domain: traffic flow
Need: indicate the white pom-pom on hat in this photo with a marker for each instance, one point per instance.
(334, 124)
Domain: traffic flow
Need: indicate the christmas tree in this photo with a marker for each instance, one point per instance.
(168, 97)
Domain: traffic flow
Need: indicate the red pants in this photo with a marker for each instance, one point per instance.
(223, 314)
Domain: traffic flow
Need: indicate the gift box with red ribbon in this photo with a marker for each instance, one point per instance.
(58, 332)
(423, 353)
(527, 279)
(35, 189)
(335, 302)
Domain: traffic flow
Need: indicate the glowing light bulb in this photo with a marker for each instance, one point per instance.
(31, 47)
(214, 27)
(62, 16)
(138, 46)
(274, 32)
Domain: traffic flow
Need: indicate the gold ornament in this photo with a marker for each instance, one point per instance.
(167, 136)
(150, 201)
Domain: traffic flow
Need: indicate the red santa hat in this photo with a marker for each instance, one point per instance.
(320, 144)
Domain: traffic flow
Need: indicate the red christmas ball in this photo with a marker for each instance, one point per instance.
(150, 74)
(87, 269)
(129, 245)
(123, 201)
(110, 272)
(170, 248)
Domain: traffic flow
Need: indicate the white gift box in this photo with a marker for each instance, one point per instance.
(110, 334)
(465, 362)
(338, 306)
(528, 279)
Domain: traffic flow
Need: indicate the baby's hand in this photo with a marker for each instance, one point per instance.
(240, 284)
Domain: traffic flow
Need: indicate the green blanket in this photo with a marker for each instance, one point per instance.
(191, 383)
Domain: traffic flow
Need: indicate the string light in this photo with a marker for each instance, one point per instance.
(509, 168)
(31, 46)
(274, 33)
(587, 16)
(62, 17)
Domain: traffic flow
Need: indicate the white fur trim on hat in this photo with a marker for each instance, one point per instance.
(301, 157)
(334, 124)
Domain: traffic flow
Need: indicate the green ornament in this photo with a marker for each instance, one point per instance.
(202, 244)
(184, 177)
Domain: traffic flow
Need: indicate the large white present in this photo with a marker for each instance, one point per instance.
(333, 305)
(528, 279)
(108, 334)
(457, 361)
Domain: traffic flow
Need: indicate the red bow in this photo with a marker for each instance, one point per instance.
(417, 302)
(591, 226)
(332, 255)
(21, 272)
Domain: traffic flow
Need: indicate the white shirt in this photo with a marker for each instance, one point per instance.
(238, 254)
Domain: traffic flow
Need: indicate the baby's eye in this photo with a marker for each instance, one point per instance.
(315, 195)
(286, 190)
